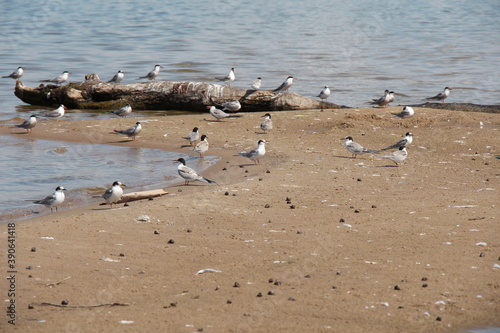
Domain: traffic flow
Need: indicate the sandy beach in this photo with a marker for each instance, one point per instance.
(310, 240)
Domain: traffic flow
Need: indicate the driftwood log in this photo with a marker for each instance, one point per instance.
(162, 95)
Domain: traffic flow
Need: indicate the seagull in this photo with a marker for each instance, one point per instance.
(29, 123)
(16, 74)
(219, 114)
(285, 85)
(267, 123)
(384, 100)
(189, 174)
(113, 194)
(405, 142)
(56, 114)
(202, 146)
(325, 93)
(53, 200)
(153, 74)
(59, 79)
(355, 148)
(123, 111)
(131, 132)
(406, 113)
(442, 95)
(193, 136)
(229, 78)
(256, 83)
(117, 78)
(257, 153)
(231, 106)
(397, 156)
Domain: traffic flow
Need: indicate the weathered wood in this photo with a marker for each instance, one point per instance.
(142, 195)
(461, 107)
(162, 95)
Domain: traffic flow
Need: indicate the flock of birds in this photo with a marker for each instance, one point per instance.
(113, 194)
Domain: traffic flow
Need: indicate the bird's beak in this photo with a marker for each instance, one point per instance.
(123, 185)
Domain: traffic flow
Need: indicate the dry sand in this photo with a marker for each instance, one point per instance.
(311, 240)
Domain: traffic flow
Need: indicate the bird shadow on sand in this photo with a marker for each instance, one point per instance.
(349, 157)
(387, 166)
(122, 141)
(186, 146)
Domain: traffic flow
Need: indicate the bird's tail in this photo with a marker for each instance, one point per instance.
(208, 181)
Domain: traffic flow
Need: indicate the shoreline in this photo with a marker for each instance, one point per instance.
(311, 239)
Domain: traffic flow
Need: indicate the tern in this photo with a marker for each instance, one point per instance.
(189, 174)
(57, 113)
(231, 106)
(219, 114)
(397, 156)
(257, 153)
(193, 136)
(285, 85)
(16, 74)
(29, 123)
(113, 194)
(325, 93)
(267, 123)
(355, 148)
(54, 200)
(405, 142)
(153, 74)
(442, 95)
(384, 100)
(228, 78)
(131, 132)
(123, 111)
(202, 146)
(117, 78)
(256, 83)
(406, 113)
(59, 79)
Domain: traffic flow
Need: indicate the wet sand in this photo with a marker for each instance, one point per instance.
(311, 240)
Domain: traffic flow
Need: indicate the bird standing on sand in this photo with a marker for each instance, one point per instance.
(202, 146)
(219, 114)
(59, 79)
(117, 78)
(131, 132)
(406, 113)
(256, 83)
(355, 148)
(267, 123)
(193, 136)
(189, 174)
(397, 156)
(123, 111)
(325, 93)
(228, 78)
(442, 95)
(54, 200)
(16, 74)
(113, 194)
(56, 114)
(29, 123)
(153, 74)
(405, 142)
(285, 85)
(257, 153)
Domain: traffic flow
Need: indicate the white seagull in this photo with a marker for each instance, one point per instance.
(231, 106)
(202, 146)
(54, 200)
(123, 111)
(405, 142)
(29, 123)
(355, 148)
(57, 113)
(193, 136)
(228, 78)
(117, 78)
(257, 153)
(406, 113)
(16, 74)
(442, 95)
(397, 156)
(256, 83)
(131, 132)
(325, 93)
(153, 74)
(113, 194)
(59, 79)
(285, 85)
(267, 123)
(189, 174)
(219, 114)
